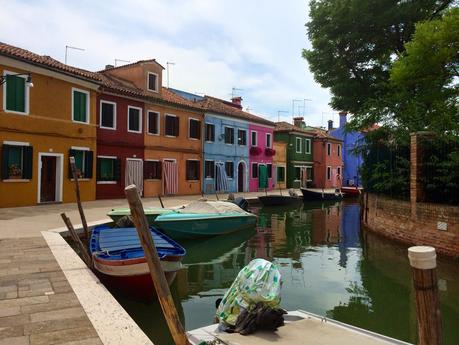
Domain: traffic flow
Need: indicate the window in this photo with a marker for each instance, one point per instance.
(268, 139)
(329, 148)
(80, 105)
(328, 173)
(229, 135)
(280, 174)
(172, 126)
(229, 168)
(339, 150)
(152, 82)
(269, 167)
(83, 162)
(254, 139)
(209, 169)
(338, 171)
(152, 170)
(297, 173)
(153, 123)
(254, 170)
(192, 170)
(210, 132)
(194, 129)
(108, 169)
(298, 145)
(134, 119)
(16, 93)
(17, 162)
(241, 137)
(307, 144)
(107, 115)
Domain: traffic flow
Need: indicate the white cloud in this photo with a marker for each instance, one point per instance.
(216, 44)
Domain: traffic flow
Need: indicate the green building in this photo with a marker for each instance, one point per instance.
(299, 153)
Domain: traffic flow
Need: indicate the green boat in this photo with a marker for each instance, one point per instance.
(150, 212)
(203, 219)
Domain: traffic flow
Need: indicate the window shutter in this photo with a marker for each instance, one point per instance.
(89, 158)
(176, 126)
(117, 169)
(83, 114)
(71, 154)
(98, 161)
(27, 165)
(5, 154)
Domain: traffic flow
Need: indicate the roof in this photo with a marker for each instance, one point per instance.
(223, 107)
(287, 127)
(46, 62)
(132, 64)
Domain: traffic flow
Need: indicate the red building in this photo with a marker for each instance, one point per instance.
(328, 160)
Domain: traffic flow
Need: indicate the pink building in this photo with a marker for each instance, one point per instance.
(261, 154)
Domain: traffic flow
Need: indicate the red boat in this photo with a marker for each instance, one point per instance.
(350, 192)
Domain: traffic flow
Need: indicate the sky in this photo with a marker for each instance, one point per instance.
(254, 46)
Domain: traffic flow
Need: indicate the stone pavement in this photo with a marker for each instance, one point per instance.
(37, 304)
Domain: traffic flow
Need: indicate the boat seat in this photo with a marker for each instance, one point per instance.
(126, 238)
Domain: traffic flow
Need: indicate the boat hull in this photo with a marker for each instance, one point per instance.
(350, 192)
(280, 200)
(191, 226)
(318, 195)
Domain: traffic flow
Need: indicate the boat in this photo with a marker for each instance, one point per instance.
(280, 200)
(205, 218)
(118, 256)
(351, 191)
(321, 194)
(150, 212)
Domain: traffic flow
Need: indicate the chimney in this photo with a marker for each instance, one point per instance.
(109, 66)
(237, 101)
(342, 118)
(330, 125)
(298, 121)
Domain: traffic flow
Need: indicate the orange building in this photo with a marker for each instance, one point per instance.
(280, 164)
(42, 125)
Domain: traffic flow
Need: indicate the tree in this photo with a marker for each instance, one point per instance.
(354, 43)
(425, 79)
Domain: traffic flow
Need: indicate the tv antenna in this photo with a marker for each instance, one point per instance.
(119, 60)
(167, 70)
(233, 91)
(279, 112)
(70, 47)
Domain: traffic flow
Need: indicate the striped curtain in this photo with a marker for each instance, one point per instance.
(134, 174)
(222, 179)
(170, 178)
(304, 176)
(274, 174)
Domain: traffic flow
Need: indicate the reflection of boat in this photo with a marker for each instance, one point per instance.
(201, 218)
(280, 200)
(351, 191)
(321, 194)
(150, 212)
(118, 254)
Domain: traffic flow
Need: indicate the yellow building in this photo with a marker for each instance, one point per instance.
(47, 113)
(280, 164)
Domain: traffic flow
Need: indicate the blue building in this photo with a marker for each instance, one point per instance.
(351, 140)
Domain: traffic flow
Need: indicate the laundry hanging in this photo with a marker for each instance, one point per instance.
(170, 178)
(221, 183)
(262, 176)
(134, 174)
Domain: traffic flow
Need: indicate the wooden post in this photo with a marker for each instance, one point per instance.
(84, 252)
(216, 195)
(77, 191)
(423, 268)
(160, 201)
(280, 190)
(156, 271)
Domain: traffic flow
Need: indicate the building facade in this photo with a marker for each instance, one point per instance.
(280, 164)
(328, 161)
(261, 157)
(42, 126)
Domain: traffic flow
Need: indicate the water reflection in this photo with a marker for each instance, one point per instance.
(328, 267)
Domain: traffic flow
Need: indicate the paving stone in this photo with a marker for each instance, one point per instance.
(23, 301)
(10, 311)
(8, 288)
(62, 336)
(15, 320)
(67, 313)
(90, 341)
(12, 331)
(52, 305)
(56, 325)
(24, 340)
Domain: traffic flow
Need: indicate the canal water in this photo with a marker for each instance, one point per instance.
(329, 266)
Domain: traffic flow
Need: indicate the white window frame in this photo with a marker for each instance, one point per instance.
(271, 140)
(296, 144)
(106, 182)
(338, 150)
(205, 130)
(153, 160)
(267, 164)
(158, 122)
(189, 130)
(87, 105)
(245, 131)
(21, 144)
(256, 139)
(148, 82)
(229, 178)
(199, 165)
(204, 170)
(307, 145)
(285, 173)
(224, 134)
(167, 135)
(114, 115)
(294, 168)
(140, 119)
(329, 168)
(329, 149)
(338, 171)
(26, 93)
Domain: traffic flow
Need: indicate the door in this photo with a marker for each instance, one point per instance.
(240, 177)
(134, 173)
(262, 176)
(48, 179)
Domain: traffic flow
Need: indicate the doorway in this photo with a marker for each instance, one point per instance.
(240, 177)
(49, 178)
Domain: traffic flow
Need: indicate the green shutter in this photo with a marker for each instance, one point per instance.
(79, 106)
(106, 169)
(15, 93)
(27, 162)
(117, 170)
(88, 162)
(5, 158)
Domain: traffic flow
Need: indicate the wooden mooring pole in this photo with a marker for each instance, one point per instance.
(87, 258)
(423, 261)
(156, 271)
(78, 199)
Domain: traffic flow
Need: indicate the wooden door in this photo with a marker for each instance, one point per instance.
(48, 179)
(240, 177)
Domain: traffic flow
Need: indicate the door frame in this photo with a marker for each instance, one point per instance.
(244, 177)
(59, 175)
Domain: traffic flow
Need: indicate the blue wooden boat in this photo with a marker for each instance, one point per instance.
(119, 257)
